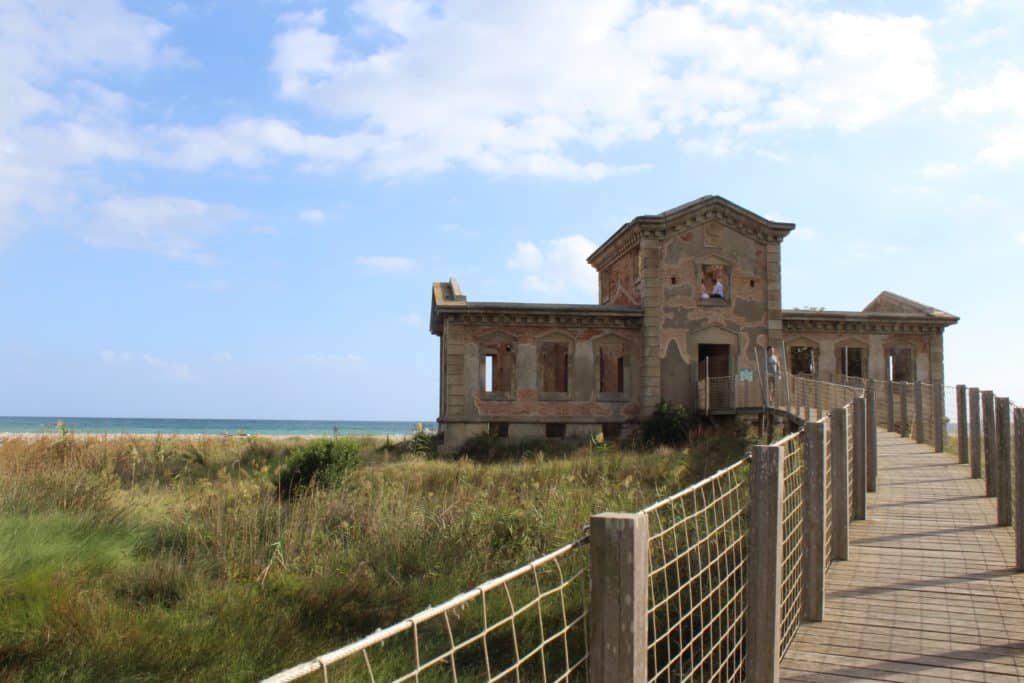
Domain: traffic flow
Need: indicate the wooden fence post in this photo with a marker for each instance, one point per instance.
(939, 416)
(814, 520)
(764, 585)
(872, 443)
(1004, 485)
(618, 594)
(988, 413)
(840, 486)
(904, 410)
(1018, 454)
(975, 405)
(962, 445)
(919, 412)
(891, 408)
(860, 478)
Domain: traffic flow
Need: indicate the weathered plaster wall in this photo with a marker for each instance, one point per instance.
(677, 320)
(620, 280)
(927, 351)
(466, 400)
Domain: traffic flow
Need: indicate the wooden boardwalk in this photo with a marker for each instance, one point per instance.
(929, 593)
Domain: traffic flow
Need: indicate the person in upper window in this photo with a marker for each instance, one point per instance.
(704, 291)
(718, 291)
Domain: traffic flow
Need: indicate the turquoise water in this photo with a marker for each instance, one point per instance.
(124, 425)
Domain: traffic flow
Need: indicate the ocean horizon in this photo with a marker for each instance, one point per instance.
(212, 427)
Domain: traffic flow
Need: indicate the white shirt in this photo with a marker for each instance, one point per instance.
(718, 289)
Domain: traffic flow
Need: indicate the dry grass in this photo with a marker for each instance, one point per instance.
(171, 558)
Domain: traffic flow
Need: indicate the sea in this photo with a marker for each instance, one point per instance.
(127, 425)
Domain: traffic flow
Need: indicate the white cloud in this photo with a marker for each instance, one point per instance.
(560, 268)
(412, 320)
(539, 80)
(54, 116)
(312, 216)
(387, 263)
(223, 357)
(175, 227)
(1003, 95)
(159, 368)
(1020, 238)
(1006, 146)
(938, 171)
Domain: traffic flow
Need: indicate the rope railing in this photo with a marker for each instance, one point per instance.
(828, 497)
(696, 609)
(850, 503)
(527, 625)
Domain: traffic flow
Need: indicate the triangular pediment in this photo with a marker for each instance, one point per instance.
(887, 302)
(710, 209)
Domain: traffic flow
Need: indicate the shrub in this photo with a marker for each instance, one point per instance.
(669, 425)
(420, 443)
(325, 461)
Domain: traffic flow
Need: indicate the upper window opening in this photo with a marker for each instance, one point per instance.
(714, 283)
(498, 368)
(612, 370)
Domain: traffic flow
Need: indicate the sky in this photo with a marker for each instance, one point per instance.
(236, 209)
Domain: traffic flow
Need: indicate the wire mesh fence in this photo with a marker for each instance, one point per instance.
(528, 625)
(928, 413)
(828, 493)
(697, 605)
(792, 535)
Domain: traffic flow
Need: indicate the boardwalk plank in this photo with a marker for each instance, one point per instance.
(929, 592)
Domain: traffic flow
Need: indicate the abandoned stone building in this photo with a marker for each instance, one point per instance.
(688, 294)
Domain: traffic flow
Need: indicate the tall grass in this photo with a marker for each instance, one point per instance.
(170, 558)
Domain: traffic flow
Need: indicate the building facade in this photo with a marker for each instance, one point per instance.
(690, 293)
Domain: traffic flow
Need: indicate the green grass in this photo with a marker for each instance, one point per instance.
(163, 559)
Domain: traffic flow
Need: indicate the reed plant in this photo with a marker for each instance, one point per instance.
(170, 558)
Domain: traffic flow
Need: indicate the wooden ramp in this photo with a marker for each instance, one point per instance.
(929, 593)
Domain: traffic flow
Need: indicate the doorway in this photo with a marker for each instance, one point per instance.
(713, 360)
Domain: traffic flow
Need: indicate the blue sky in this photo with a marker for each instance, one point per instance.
(236, 209)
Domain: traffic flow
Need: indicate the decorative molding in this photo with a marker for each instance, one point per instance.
(862, 326)
(608, 320)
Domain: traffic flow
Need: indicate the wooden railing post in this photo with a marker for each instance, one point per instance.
(1018, 455)
(939, 416)
(618, 595)
(1004, 485)
(764, 585)
(840, 486)
(814, 520)
(891, 408)
(860, 473)
(904, 410)
(919, 412)
(872, 443)
(962, 445)
(975, 405)
(988, 414)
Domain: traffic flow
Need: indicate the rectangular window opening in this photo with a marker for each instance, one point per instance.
(489, 372)
(554, 358)
(554, 430)
(852, 361)
(612, 368)
(801, 360)
(498, 430)
(901, 365)
(611, 430)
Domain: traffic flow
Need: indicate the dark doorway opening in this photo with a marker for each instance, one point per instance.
(713, 360)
